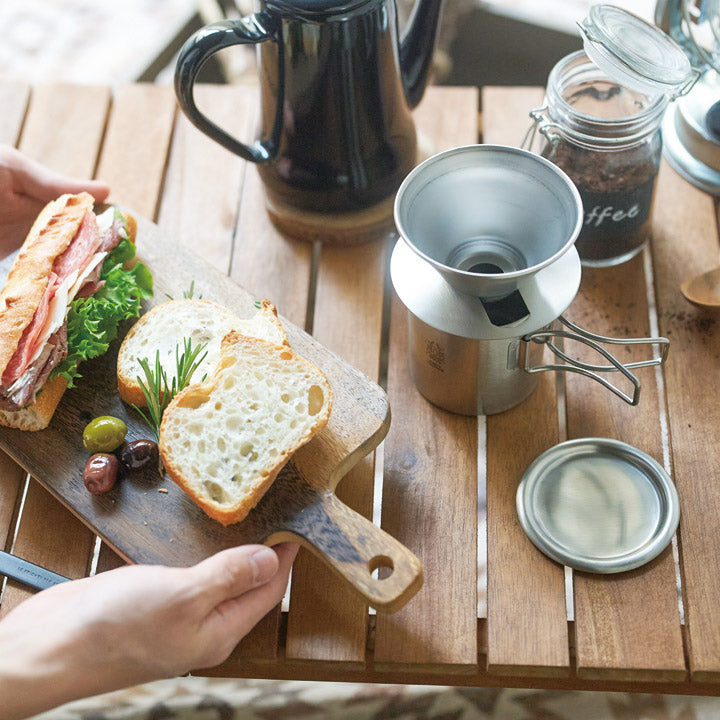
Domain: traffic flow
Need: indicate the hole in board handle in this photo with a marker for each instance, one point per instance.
(381, 567)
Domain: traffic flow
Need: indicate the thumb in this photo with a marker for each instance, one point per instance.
(235, 571)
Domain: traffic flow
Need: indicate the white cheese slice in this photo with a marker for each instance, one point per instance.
(105, 220)
(95, 260)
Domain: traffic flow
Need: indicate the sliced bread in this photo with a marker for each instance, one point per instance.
(224, 441)
(165, 327)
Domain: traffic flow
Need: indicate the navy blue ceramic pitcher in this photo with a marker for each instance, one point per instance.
(337, 85)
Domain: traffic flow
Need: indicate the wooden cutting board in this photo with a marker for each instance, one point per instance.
(151, 520)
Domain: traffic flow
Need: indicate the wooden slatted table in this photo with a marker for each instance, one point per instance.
(437, 476)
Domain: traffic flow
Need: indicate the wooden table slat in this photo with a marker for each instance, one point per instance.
(108, 559)
(135, 151)
(64, 127)
(267, 264)
(685, 243)
(429, 499)
(527, 617)
(526, 613)
(203, 183)
(14, 98)
(11, 484)
(429, 503)
(200, 200)
(327, 620)
(625, 626)
(264, 262)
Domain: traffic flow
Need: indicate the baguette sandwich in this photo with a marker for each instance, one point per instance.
(224, 441)
(162, 330)
(64, 297)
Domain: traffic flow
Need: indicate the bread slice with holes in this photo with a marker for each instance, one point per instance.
(165, 327)
(224, 441)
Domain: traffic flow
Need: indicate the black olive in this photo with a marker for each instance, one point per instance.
(100, 473)
(139, 455)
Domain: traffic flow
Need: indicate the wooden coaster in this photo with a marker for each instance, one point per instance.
(352, 228)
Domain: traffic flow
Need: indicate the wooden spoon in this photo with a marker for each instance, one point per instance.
(704, 289)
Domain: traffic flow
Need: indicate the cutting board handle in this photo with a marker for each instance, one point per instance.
(356, 548)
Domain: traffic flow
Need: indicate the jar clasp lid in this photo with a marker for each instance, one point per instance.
(635, 53)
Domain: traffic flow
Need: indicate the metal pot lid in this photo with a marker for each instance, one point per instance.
(634, 52)
(598, 505)
(691, 134)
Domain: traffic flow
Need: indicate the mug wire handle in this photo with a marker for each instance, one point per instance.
(591, 370)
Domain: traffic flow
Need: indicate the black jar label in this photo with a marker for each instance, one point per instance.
(614, 223)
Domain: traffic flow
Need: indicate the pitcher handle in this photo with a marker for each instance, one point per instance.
(195, 52)
(590, 370)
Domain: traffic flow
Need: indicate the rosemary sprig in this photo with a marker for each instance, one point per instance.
(188, 294)
(158, 391)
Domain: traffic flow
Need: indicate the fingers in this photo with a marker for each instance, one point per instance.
(39, 182)
(235, 571)
(232, 619)
(243, 612)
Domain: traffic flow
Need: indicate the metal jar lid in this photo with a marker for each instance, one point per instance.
(635, 53)
(598, 505)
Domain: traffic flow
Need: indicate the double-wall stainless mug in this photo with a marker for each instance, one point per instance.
(337, 85)
(486, 265)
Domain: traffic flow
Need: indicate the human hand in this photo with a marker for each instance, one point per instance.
(133, 625)
(26, 187)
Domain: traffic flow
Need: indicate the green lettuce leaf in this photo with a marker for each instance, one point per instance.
(92, 322)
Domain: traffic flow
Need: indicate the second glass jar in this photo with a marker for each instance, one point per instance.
(606, 137)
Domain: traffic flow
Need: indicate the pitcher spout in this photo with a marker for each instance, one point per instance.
(416, 48)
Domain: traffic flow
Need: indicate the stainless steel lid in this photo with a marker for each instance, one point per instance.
(690, 142)
(598, 505)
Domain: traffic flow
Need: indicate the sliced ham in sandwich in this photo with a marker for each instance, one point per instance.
(60, 266)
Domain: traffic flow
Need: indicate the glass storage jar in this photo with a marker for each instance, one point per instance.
(606, 137)
(601, 124)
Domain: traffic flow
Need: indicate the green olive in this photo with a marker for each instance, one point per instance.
(104, 434)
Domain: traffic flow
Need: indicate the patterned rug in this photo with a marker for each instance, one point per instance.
(192, 698)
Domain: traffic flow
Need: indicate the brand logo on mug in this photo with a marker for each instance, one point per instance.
(435, 355)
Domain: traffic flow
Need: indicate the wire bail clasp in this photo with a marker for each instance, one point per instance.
(541, 124)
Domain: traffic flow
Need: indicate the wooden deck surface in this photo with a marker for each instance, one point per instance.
(652, 629)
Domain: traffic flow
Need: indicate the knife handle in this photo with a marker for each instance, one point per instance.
(28, 573)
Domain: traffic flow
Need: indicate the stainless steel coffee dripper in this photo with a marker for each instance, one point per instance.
(486, 266)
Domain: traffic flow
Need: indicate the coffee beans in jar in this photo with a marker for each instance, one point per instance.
(606, 137)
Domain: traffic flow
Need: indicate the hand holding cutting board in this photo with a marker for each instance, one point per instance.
(133, 625)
